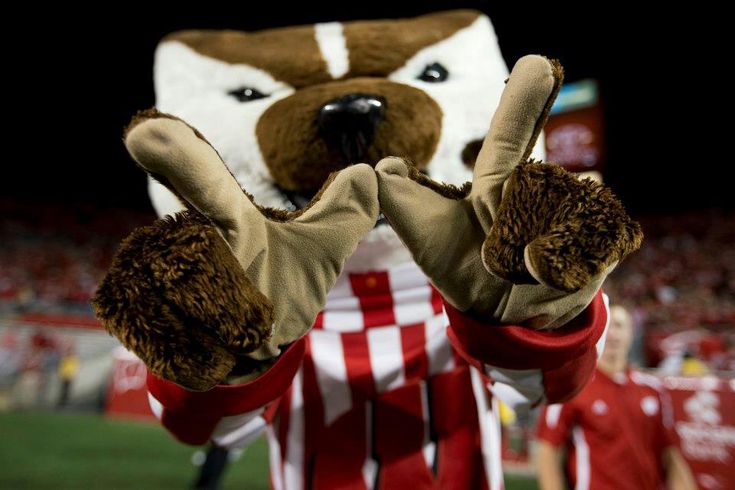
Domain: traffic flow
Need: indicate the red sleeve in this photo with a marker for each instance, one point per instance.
(192, 416)
(555, 422)
(545, 366)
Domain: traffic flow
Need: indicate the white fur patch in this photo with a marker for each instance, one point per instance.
(469, 96)
(333, 47)
(195, 88)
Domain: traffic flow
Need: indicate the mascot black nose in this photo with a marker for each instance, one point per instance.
(348, 124)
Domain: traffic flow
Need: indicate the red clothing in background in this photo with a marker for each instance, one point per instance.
(615, 432)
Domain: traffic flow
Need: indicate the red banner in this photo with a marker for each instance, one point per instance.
(704, 421)
(128, 394)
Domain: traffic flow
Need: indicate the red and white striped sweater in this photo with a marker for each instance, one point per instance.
(393, 387)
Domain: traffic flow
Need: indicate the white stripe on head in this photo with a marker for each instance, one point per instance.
(333, 47)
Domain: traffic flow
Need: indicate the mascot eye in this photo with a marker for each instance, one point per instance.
(434, 73)
(246, 94)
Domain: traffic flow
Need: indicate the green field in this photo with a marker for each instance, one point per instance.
(71, 451)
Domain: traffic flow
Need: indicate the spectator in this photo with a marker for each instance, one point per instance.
(68, 369)
(617, 431)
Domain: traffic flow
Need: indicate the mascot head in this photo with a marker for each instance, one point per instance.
(285, 107)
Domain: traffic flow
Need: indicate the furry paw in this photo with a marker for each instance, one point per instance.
(178, 298)
(557, 230)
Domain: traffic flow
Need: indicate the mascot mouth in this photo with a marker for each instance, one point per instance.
(299, 200)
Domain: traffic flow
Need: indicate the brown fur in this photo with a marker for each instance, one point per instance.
(289, 54)
(292, 55)
(379, 47)
(447, 190)
(177, 297)
(574, 228)
(300, 160)
(470, 153)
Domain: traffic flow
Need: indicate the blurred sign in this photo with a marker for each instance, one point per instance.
(128, 394)
(574, 132)
(704, 421)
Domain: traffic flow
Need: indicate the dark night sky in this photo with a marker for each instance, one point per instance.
(69, 123)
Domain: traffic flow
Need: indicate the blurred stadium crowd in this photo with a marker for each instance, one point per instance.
(680, 286)
(52, 258)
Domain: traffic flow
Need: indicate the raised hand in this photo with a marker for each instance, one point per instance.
(191, 295)
(525, 242)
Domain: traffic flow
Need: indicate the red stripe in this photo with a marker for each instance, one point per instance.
(413, 343)
(66, 321)
(357, 362)
(319, 322)
(456, 425)
(399, 438)
(437, 302)
(376, 299)
(342, 453)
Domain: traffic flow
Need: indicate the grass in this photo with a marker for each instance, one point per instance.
(74, 451)
(70, 451)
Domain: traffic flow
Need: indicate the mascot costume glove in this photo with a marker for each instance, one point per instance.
(525, 243)
(192, 294)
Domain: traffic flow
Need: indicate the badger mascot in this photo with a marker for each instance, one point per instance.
(358, 255)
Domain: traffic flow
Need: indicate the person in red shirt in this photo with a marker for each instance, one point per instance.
(616, 432)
